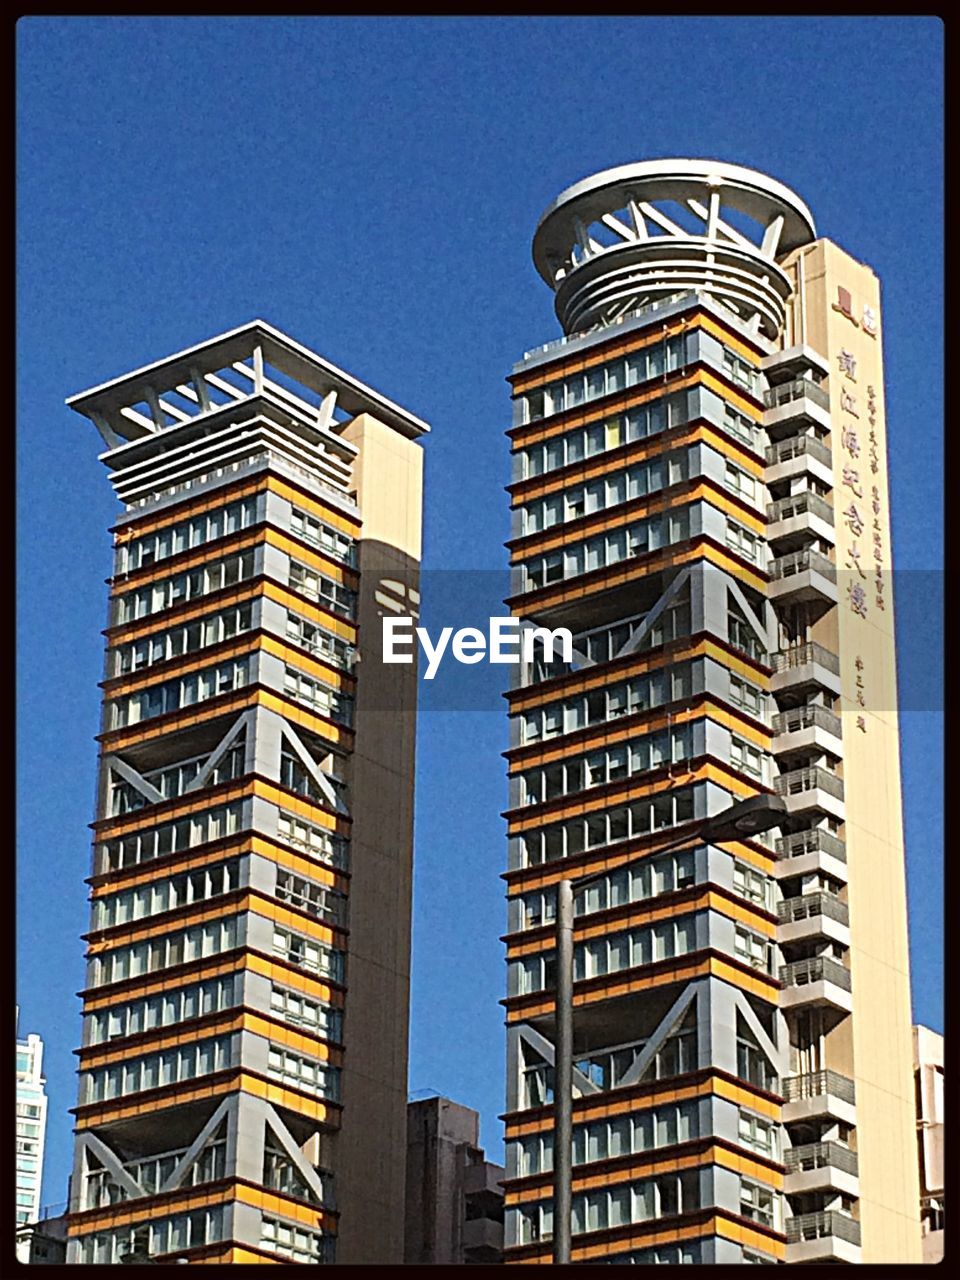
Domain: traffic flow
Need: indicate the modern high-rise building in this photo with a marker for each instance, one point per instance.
(700, 495)
(31, 1127)
(243, 1066)
(928, 1069)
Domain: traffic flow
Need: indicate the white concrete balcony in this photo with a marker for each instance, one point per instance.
(823, 1237)
(812, 788)
(812, 916)
(802, 577)
(800, 519)
(808, 728)
(806, 852)
(798, 456)
(817, 982)
(817, 1096)
(821, 1167)
(798, 401)
(807, 666)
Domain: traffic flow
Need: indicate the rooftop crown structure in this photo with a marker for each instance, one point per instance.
(243, 1065)
(700, 494)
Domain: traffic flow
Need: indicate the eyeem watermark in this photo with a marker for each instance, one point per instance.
(505, 642)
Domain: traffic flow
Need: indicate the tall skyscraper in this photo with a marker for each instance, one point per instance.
(700, 494)
(243, 1066)
(31, 1127)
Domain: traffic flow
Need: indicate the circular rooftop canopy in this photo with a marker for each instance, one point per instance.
(632, 233)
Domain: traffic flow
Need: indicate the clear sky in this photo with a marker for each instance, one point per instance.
(371, 186)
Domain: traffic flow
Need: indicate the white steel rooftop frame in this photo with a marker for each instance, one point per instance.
(623, 237)
(229, 371)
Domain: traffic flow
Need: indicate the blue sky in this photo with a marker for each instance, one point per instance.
(371, 186)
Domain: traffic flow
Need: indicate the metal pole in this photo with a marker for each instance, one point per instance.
(563, 1078)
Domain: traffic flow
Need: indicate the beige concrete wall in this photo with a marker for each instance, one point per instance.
(371, 1148)
(881, 1026)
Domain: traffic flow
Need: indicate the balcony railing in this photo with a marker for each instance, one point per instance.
(809, 717)
(802, 842)
(801, 561)
(797, 447)
(817, 1084)
(797, 781)
(815, 969)
(821, 1155)
(809, 905)
(799, 656)
(815, 1226)
(798, 389)
(799, 504)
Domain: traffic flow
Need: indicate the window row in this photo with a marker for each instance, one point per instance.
(602, 380)
(759, 1134)
(308, 953)
(296, 1242)
(295, 776)
(598, 706)
(753, 1065)
(186, 534)
(609, 954)
(755, 950)
(326, 701)
(209, 1165)
(608, 765)
(740, 371)
(604, 644)
(745, 543)
(166, 895)
(664, 1254)
(153, 954)
(321, 844)
(741, 482)
(280, 1173)
(759, 1203)
(586, 442)
(161, 1235)
(166, 1009)
(154, 1070)
(309, 1075)
(567, 839)
(753, 885)
(169, 837)
(748, 697)
(610, 1139)
(182, 587)
(606, 549)
(332, 595)
(174, 780)
(675, 1056)
(317, 1018)
(606, 491)
(189, 637)
(744, 428)
(746, 757)
(330, 540)
(173, 695)
(101, 1190)
(322, 644)
(308, 895)
(660, 1197)
(615, 889)
(743, 637)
